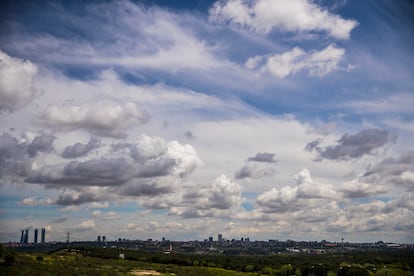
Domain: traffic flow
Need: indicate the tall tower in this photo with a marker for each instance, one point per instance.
(68, 237)
(36, 234)
(220, 238)
(43, 238)
(26, 236)
(22, 237)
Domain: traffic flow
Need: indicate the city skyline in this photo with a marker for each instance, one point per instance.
(184, 119)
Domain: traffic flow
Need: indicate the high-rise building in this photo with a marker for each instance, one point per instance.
(26, 236)
(36, 234)
(22, 237)
(99, 238)
(104, 238)
(43, 237)
(220, 238)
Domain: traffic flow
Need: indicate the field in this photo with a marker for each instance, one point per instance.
(89, 261)
(74, 262)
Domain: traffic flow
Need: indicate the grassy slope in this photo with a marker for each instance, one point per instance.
(73, 263)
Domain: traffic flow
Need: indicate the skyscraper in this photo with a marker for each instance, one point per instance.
(43, 238)
(220, 238)
(26, 236)
(22, 237)
(36, 233)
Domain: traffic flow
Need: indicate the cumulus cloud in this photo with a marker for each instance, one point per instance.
(224, 193)
(263, 157)
(86, 225)
(33, 201)
(158, 155)
(147, 188)
(307, 188)
(85, 195)
(376, 216)
(392, 170)
(9, 150)
(100, 172)
(317, 63)
(97, 172)
(111, 215)
(293, 198)
(185, 156)
(16, 82)
(148, 166)
(17, 154)
(393, 166)
(279, 200)
(357, 189)
(219, 199)
(95, 205)
(355, 146)
(108, 118)
(41, 143)
(79, 149)
(263, 16)
(148, 147)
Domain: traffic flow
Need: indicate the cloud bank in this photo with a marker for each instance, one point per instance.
(263, 16)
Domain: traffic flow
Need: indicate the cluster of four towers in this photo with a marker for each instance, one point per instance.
(24, 238)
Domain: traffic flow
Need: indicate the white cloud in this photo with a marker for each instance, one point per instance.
(225, 193)
(106, 117)
(219, 199)
(16, 82)
(317, 63)
(97, 205)
(185, 156)
(357, 189)
(149, 147)
(148, 166)
(140, 37)
(307, 188)
(263, 16)
(32, 201)
(85, 225)
(108, 216)
(294, 198)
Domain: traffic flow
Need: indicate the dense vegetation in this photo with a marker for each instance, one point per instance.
(106, 261)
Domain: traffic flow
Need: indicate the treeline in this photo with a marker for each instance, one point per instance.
(355, 263)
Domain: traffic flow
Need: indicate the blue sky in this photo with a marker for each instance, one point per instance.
(267, 119)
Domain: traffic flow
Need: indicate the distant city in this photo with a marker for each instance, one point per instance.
(208, 246)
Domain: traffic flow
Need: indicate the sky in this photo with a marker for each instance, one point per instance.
(266, 119)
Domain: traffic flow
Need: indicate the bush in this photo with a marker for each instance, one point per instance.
(9, 259)
(249, 268)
